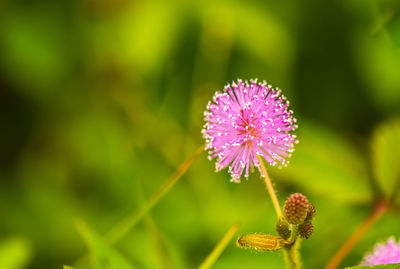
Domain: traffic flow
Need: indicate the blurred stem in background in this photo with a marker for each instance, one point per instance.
(164, 259)
(380, 208)
(121, 229)
(378, 211)
(291, 252)
(219, 248)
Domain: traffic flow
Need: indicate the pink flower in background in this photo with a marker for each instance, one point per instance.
(246, 120)
(383, 253)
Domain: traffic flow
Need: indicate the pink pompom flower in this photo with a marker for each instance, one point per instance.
(383, 253)
(246, 120)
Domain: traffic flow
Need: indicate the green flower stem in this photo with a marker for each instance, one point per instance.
(216, 252)
(292, 256)
(294, 234)
(270, 188)
(291, 251)
(121, 229)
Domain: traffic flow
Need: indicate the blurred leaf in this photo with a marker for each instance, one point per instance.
(326, 164)
(381, 266)
(386, 155)
(102, 255)
(391, 10)
(262, 35)
(67, 267)
(393, 28)
(15, 253)
(141, 31)
(35, 49)
(378, 63)
(83, 135)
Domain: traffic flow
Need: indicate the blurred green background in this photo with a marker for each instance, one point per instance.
(100, 102)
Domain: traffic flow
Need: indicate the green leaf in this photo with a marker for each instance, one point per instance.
(251, 21)
(326, 164)
(381, 266)
(102, 255)
(393, 26)
(378, 62)
(35, 51)
(67, 267)
(386, 155)
(15, 253)
(138, 43)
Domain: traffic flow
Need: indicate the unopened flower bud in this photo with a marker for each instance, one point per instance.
(310, 213)
(296, 208)
(261, 242)
(306, 229)
(282, 228)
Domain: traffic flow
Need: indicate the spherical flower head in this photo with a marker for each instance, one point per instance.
(296, 208)
(246, 120)
(383, 253)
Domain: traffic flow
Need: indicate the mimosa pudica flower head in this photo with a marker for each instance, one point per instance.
(246, 120)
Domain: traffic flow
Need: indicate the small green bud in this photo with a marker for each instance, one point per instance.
(261, 242)
(296, 208)
(306, 229)
(282, 228)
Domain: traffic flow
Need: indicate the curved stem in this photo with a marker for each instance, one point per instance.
(376, 214)
(270, 188)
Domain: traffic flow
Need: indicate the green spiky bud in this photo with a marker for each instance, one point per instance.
(296, 208)
(306, 229)
(310, 213)
(282, 228)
